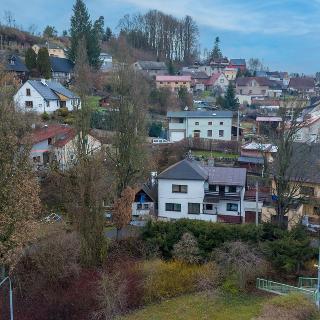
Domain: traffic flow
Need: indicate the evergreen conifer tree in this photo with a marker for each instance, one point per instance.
(81, 27)
(31, 59)
(43, 63)
(230, 100)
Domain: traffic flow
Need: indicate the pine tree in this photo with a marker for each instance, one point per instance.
(43, 63)
(31, 59)
(216, 52)
(230, 100)
(81, 27)
(107, 35)
(98, 27)
(171, 68)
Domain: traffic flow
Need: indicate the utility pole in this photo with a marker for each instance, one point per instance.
(257, 200)
(238, 125)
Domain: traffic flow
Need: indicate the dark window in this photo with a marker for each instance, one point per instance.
(209, 206)
(29, 104)
(210, 123)
(209, 133)
(146, 206)
(177, 82)
(212, 187)
(307, 191)
(232, 189)
(221, 133)
(232, 207)
(180, 120)
(196, 123)
(178, 188)
(28, 92)
(161, 82)
(184, 83)
(49, 141)
(139, 206)
(194, 208)
(221, 123)
(173, 207)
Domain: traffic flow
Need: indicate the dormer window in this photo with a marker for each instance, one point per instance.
(12, 62)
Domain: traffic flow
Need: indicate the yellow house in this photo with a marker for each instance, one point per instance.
(306, 182)
(174, 83)
(53, 49)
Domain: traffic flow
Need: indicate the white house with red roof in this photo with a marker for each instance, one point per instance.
(56, 143)
(174, 83)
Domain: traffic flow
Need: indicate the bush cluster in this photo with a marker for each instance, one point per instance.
(286, 250)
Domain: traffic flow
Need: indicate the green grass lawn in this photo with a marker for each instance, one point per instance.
(215, 154)
(199, 306)
(93, 102)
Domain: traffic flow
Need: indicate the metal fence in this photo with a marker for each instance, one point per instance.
(282, 289)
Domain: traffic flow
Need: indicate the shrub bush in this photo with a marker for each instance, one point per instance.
(163, 280)
(45, 116)
(63, 112)
(240, 263)
(289, 307)
(287, 250)
(187, 250)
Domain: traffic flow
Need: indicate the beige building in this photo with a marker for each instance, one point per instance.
(230, 73)
(306, 184)
(174, 83)
(53, 49)
(252, 86)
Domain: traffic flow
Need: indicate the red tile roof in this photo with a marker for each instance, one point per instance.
(211, 81)
(63, 134)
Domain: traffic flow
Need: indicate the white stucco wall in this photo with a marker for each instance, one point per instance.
(204, 127)
(195, 194)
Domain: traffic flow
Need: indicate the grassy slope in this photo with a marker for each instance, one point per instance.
(200, 307)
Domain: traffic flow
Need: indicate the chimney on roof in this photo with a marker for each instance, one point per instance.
(43, 81)
(153, 176)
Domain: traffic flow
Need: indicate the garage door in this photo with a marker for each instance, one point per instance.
(176, 136)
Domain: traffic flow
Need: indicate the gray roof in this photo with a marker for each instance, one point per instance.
(17, 65)
(200, 114)
(48, 91)
(226, 176)
(61, 65)
(194, 170)
(152, 65)
(254, 160)
(238, 62)
(184, 170)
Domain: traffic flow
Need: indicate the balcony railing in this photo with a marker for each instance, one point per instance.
(222, 195)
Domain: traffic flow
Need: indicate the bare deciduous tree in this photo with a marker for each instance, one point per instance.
(19, 189)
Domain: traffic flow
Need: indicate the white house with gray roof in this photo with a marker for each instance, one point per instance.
(45, 96)
(215, 125)
(192, 190)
